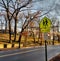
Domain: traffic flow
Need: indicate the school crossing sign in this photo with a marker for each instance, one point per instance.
(45, 24)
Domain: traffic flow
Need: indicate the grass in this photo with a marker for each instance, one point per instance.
(29, 39)
(5, 37)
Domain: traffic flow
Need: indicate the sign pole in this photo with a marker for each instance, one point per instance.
(45, 37)
(45, 50)
(45, 25)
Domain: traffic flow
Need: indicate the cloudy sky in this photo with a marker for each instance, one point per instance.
(46, 5)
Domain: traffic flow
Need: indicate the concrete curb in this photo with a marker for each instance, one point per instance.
(9, 45)
(6, 49)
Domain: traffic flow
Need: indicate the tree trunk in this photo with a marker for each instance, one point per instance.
(33, 36)
(53, 39)
(53, 36)
(19, 40)
(9, 32)
(39, 36)
(15, 28)
(58, 38)
(6, 26)
(25, 41)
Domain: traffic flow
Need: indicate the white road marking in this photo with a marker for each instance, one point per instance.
(53, 56)
(18, 53)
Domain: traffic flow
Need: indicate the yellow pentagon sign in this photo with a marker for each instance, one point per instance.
(45, 24)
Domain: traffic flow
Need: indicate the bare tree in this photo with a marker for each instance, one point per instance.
(28, 19)
(5, 5)
(31, 25)
(54, 19)
(6, 23)
(12, 9)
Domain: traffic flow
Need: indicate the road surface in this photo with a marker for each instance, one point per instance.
(30, 54)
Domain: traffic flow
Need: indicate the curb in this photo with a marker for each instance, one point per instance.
(9, 45)
(6, 49)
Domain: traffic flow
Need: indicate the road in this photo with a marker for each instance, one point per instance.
(30, 54)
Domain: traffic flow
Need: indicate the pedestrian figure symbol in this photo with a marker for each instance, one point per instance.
(45, 22)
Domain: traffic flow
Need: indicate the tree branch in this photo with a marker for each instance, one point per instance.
(4, 4)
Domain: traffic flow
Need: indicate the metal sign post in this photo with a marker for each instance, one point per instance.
(45, 25)
(45, 37)
(45, 50)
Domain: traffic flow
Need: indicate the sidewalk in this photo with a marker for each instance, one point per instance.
(56, 58)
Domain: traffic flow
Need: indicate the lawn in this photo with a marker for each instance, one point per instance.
(5, 37)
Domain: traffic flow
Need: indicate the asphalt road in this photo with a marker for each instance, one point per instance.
(30, 54)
